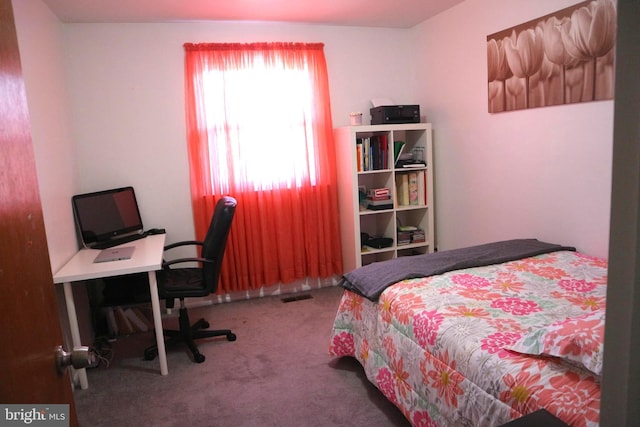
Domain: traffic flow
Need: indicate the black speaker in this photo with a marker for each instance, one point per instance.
(380, 242)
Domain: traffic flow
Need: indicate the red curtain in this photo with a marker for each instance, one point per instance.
(259, 129)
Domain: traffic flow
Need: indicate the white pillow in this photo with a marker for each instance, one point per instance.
(578, 340)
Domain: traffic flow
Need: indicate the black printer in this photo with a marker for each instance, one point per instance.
(392, 114)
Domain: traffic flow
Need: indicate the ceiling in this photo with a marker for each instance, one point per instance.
(366, 13)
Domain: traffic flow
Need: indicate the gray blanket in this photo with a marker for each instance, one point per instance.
(371, 280)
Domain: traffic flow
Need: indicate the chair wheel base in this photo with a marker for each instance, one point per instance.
(188, 334)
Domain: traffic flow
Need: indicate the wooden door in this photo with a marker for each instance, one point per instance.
(29, 323)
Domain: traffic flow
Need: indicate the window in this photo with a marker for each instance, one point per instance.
(264, 112)
(259, 129)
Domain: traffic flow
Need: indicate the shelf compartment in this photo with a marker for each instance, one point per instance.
(372, 151)
(416, 217)
(413, 249)
(382, 224)
(377, 255)
(411, 188)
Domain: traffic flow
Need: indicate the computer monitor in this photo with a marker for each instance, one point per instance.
(106, 215)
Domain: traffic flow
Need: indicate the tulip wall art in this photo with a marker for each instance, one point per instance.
(561, 58)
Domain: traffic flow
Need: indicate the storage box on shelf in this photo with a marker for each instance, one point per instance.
(367, 161)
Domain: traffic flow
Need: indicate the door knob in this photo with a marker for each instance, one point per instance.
(79, 358)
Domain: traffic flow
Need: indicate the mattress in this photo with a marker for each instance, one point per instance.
(485, 345)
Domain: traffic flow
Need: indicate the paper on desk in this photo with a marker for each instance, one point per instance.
(378, 102)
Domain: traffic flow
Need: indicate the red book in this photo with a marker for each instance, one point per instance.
(384, 148)
(377, 192)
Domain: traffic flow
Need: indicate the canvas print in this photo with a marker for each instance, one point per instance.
(561, 58)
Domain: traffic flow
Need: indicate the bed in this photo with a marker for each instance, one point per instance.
(483, 344)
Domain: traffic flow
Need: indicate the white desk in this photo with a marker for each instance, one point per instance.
(147, 257)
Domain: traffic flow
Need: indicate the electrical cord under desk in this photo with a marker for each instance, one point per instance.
(102, 349)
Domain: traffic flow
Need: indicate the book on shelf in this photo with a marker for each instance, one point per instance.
(379, 198)
(383, 154)
(380, 207)
(365, 154)
(409, 164)
(112, 324)
(418, 236)
(124, 326)
(398, 148)
(414, 236)
(378, 192)
(413, 188)
(379, 201)
(402, 183)
(125, 321)
(404, 237)
(372, 153)
(422, 185)
(137, 323)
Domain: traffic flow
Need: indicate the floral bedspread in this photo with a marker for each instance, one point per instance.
(482, 346)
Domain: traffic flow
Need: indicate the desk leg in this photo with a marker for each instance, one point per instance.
(157, 322)
(75, 330)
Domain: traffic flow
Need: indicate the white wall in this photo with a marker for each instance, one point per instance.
(127, 95)
(543, 173)
(40, 42)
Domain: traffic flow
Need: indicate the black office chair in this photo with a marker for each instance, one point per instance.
(181, 283)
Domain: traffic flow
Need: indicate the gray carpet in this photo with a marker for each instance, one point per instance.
(277, 373)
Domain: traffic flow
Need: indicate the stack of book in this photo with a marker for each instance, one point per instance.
(125, 321)
(410, 188)
(404, 237)
(410, 234)
(372, 153)
(418, 236)
(404, 234)
(379, 199)
(410, 164)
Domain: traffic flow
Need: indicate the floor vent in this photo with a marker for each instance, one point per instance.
(296, 298)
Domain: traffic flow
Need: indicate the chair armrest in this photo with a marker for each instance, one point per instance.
(184, 243)
(183, 260)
